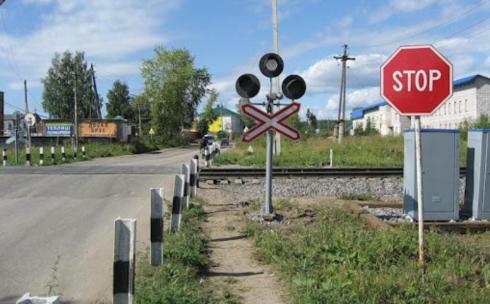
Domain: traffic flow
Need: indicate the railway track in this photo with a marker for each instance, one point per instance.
(222, 173)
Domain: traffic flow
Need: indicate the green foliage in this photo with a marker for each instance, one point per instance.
(483, 122)
(208, 116)
(365, 151)
(338, 259)
(119, 101)
(247, 121)
(369, 131)
(180, 278)
(174, 88)
(58, 95)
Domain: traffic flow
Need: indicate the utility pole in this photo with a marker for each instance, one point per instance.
(97, 101)
(275, 34)
(343, 84)
(75, 113)
(139, 120)
(28, 143)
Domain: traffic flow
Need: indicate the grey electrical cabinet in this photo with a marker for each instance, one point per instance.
(477, 190)
(440, 174)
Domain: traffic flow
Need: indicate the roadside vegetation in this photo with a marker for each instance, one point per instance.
(181, 278)
(328, 255)
(92, 151)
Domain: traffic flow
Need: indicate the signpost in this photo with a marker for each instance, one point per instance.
(248, 86)
(416, 80)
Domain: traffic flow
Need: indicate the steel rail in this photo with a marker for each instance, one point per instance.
(303, 172)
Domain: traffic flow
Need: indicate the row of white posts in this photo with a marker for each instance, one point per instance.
(125, 231)
(41, 155)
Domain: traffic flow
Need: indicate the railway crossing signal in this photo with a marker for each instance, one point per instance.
(293, 87)
(267, 121)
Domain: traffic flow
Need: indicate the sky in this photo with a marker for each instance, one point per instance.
(228, 37)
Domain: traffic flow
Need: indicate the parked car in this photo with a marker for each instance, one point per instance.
(225, 142)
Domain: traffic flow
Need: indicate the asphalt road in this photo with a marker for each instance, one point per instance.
(56, 223)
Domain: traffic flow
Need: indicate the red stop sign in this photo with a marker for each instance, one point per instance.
(416, 80)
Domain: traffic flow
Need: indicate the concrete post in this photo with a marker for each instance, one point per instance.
(75, 152)
(177, 202)
(84, 154)
(41, 155)
(4, 155)
(53, 159)
(186, 172)
(196, 157)
(193, 178)
(331, 158)
(207, 157)
(124, 260)
(28, 156)
(157, 212)
(63, 155)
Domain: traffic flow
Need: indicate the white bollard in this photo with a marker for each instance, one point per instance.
(157, 212)
(4, 156)
(177, 202)
(124, 260)
(331, 158)
(41, 156)
(53, 157)
(186, 172)
(28, 156)
(63, 155)
(207, 157)
(84, 154)
(193, 178)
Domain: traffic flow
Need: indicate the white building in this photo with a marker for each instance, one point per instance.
(470, 99)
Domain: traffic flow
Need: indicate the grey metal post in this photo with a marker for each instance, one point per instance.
(4, 155)
(28, 156)
(124, 260)
(185, 170)
(177, 202)
(193, 178)
(53, 158)
(157, 212)
(267, 207)
(63, 155)
(41, 155)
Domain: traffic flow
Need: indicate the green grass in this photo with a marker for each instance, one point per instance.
(338, 259)
(181, 277)
(92, 151)
(364, 151)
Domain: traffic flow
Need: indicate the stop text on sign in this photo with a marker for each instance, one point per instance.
(420, 80)
(416, 80)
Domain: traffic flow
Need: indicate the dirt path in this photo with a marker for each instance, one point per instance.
(233, 264)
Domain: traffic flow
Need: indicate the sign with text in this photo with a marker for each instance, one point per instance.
(98, 129)
(416, 80)
(59, 129)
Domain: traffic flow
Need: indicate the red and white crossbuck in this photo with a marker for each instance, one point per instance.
(274, 121)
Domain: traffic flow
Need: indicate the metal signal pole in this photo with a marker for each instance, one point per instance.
(28, 143)
(75, 112)
(275, 34)
(343, 85)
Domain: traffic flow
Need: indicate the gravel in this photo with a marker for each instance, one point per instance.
(376, 188)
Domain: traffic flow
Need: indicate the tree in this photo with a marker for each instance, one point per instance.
(119, 101)
(246, 120)
(58, 95)
(208, 116)
(174, 87)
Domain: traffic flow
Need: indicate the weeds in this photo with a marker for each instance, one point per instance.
(340, 260)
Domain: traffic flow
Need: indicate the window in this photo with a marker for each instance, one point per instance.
(466, 105)
(459, 106)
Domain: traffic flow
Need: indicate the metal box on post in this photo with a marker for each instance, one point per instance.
(477, 190)
(440, 174)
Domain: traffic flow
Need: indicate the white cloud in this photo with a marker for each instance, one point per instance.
(109, 32)
(354, 99)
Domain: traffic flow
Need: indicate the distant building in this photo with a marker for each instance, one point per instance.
(227, 121)
(470, 100)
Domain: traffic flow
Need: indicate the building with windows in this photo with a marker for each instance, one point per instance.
(470, 100)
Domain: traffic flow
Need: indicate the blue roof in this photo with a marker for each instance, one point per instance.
(357, 114)
(465, 80)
